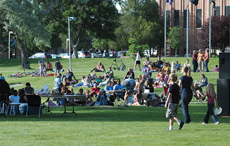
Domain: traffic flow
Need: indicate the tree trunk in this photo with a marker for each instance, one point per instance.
(175, 52)
(75, 54)
(24, 54)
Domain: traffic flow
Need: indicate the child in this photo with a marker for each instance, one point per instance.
(173, 100)
(210, 92)
(216, 69)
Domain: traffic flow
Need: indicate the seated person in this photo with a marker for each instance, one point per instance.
(87, 81)
(187, 64)
(57, 82)
(149, 86)
(148, 74)
(22, 95)
(79, 101)
(178, 66)
(93, 76)
(28, 89)
(160, 75)
(159, 63)
(199, 92)
(118, 86)
(147, 63)
(2, 77)
(89, 100)
(108, 88)
(110, 73)
(216, 69)
(153, 68)
(95, 90)
(166, 67)
(105, 82)
(98, 80)
(69, 75)
(203, 81)
(128, 98)
(99, 68)
(14, 98)
(130, 74)
(101, 98)
(113, 82)
(49, 66)
(81, 83)
(137, 83)
(138, 98)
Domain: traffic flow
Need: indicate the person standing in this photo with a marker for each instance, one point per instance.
(138, 61)
(194, 60)
(206, 60)
(57, 67)
(201, 60)
(186, 82)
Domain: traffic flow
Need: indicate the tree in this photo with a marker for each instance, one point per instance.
(139, 20)
(95, 19)
(220, 33)
(24, 18)
(175, 38)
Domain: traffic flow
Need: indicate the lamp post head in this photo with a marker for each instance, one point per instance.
(72, 18)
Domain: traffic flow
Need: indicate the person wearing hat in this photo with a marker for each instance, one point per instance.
(147, 63)
(99, 68)
(2, 77)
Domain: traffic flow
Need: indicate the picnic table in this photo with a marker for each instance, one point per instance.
(61, 96)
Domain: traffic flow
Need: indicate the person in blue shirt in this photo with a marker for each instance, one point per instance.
(109, 87)
(57, 82)
(118, 86)
(178, 66)
(1, 77)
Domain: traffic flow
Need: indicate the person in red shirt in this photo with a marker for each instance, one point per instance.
(206, 60)
(95, 90)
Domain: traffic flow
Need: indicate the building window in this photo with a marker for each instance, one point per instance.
(185, 19)
(168, 18)
(198, 18)
(176, 18)
(227, 10)
(217, 11)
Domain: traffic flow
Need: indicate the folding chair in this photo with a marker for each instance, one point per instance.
(34, 101)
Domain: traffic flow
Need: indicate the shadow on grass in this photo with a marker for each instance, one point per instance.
(113, 114)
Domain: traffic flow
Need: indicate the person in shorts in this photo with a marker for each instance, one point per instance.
(99, 68)
(172, 103)
(138, 60)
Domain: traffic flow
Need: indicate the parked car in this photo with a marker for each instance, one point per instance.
(121, 53)
(49, 55)
(63, 55)
(38, 55)
(84, 54)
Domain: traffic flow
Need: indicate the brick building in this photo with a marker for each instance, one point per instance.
(176, 16)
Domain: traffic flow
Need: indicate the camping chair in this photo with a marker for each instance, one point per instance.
(34, 101)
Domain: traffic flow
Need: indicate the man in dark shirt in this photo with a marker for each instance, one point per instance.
(159, 63)
(130, 74)
(57, 66)
(69, 75)
(28, 89)
(172, 103)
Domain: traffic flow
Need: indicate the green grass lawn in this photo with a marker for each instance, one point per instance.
(107, 125)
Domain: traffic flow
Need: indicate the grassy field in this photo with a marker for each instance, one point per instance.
(107, 125)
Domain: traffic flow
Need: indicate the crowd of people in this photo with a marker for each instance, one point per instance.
(100, 88)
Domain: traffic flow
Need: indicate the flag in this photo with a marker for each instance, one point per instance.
(195, 2)
(169, 1)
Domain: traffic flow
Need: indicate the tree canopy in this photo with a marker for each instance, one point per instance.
(175, 38)
(220, 33)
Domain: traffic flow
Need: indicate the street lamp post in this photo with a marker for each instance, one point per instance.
(10, 32)
(67, 45)
(70, 19)
(210, 24)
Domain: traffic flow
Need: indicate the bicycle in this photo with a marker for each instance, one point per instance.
(116, 67)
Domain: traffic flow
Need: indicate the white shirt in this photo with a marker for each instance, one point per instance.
(15, 99)
(138, 58)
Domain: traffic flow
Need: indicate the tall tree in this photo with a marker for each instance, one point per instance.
(24, 18)
(95, 18)
(220, 33)
(175, 38)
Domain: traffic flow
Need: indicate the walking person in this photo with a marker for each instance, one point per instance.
(57, 67)
(206, 60)
(194, 60)
(138, 61)
(186, 82)
(210, 93)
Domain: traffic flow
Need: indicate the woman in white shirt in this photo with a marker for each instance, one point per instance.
(138, 61)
